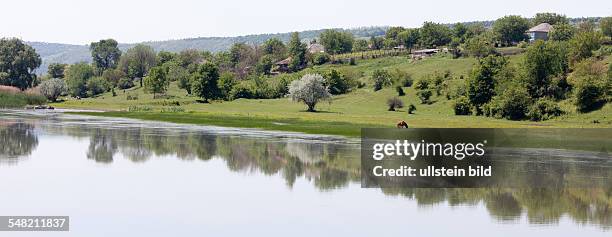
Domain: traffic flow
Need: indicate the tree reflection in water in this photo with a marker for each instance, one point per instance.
(327, 165)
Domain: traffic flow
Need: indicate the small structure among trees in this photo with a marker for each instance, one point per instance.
(539, 32)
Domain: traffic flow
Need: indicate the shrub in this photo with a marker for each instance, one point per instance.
(131, 97)
(242, 90)
(97, 85)
(590, 85)
(172, 109)
(543, 109)
(310, 89)
(403, 78)
(400, 91)
(422, 84)
(462, 106)
(424, 96)
(320, 58)
(513, 104)
(226, 82)
(411, 109)
(53, 88)
(135, 108)
(381, 79)
(125, 83)
(352, 62)
(394, 103)
(337, 82)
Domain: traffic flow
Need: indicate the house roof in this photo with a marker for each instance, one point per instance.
(284, 61)
(316, 48)
(426, 51)
(544, 27)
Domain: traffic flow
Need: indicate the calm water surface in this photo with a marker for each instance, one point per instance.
(117, 177)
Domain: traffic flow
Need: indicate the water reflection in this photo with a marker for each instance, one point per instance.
(327, 165)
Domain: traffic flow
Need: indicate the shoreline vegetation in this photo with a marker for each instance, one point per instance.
(545, 71)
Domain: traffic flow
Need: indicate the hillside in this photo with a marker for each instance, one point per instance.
(68, 53)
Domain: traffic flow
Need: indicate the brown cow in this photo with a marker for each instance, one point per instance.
(402, 124)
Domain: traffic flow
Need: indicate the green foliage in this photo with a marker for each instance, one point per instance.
(297, 52)
(462, 106)
(105, 54)
(590, 85)
(53, 88)
(377, 42)
(542, 62)
(424, 96)
(139, 109)
(337, 42)
(562, 32)
(275, 48)
(204, 82)
(20, 99)
(544, 109)
(433, 34)
(400, 91)
(172, 109)
(76, 79)
(411, 109)
(550, 18)
(96, 86)
(125, 83)
(156, 81)
(56, 70)
(337, 83)
(605, 24)
(164, 57)
(479, 46)
(360, 45)
(113, 76)
(511, 29)
(481, 83)
(381, 79)
(17, 63)
(409, 38)
(320, 58)
(264, 66)
(310, 89)
(137, 61)
(394, 103)
(401, 77)
(226, 83)
(583, 44)
(513, 104)
(422, 83)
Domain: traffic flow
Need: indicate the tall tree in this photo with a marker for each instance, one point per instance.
(297, 52)
(606, 26)
(56, 70)
(156, 81)
(543, 61)
(105, 54)
(77, 76)
(481, 84)
(137, 61)
(433, 34)
(550, 18)
(276, 48)
(511, 29)
(204, 82)
(562, 32)
(408, 38)
(336, 42)
(17, 63)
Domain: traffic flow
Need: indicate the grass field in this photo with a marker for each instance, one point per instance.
(345, 115)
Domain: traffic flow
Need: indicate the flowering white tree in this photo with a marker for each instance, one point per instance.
(310, 89)
(53, 88)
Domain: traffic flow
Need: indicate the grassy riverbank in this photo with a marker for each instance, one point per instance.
(345, 115)
(19, 99)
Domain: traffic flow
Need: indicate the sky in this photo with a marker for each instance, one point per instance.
(131, 21)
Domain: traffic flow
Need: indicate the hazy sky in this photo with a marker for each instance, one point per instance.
(128, 21)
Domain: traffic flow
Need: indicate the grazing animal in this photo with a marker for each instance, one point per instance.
(402, 124)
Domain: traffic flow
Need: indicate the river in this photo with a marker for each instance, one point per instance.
(121, 177)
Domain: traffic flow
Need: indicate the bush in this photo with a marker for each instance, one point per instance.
(590, 85)
(135, 108)
(381, 79)
(513, 104)
(424, 96)
(172, 109)
(400, 91)
(310, 89)
(462, 106)
(422, 84)
(337, 82)
(402, 78)
(320, 58)
(394, 103)
(352, 62)
(411, 109)
(131, 97)
(125, 83)
(53, 88)
(544, 109)
(97, 85)
(242, 90)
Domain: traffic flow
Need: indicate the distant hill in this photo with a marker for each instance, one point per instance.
(67, 53)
